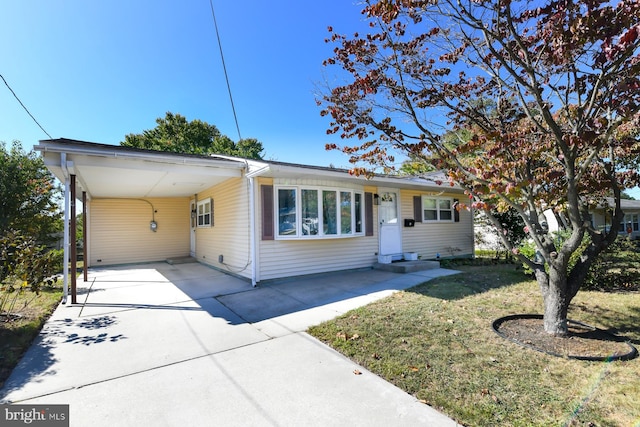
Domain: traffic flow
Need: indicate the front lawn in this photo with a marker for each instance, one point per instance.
(21, 325)
(435, 341)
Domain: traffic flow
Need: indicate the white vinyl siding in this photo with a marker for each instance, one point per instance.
(119, 231)
(229, 236)
(448, 238)
(284, 258)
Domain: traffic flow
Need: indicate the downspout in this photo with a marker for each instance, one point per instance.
(85, 231)
(65, 262)
(253, 244)
(252, 233)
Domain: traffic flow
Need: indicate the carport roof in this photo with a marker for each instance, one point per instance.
(105, 171)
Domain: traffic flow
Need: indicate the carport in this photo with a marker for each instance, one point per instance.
(90, 171)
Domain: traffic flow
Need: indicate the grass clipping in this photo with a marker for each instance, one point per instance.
(435, 342)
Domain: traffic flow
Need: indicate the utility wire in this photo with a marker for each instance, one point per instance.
(224, 67)
(23, 106)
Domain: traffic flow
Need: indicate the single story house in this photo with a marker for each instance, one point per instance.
(601, 217)
(257, 219)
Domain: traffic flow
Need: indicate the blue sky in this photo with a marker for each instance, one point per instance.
(98, 70)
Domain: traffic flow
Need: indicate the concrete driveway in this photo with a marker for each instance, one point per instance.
(175, 345)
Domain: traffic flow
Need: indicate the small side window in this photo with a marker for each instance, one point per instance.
(205, 213)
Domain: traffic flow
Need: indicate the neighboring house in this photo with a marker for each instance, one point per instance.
(602, 217)
(259, 220)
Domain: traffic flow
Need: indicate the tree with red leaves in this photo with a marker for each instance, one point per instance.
(548, 90)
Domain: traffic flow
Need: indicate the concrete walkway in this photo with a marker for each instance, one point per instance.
(178, 345)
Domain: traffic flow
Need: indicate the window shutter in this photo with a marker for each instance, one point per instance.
(267, 212)
(417, 208)
(368, 214)
(456, 212)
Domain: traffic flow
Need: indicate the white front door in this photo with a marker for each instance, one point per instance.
(390, 231)
(194, 219)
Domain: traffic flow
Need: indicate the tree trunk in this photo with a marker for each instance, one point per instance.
(556, 302)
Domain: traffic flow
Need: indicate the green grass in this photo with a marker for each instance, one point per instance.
(435, 342)
(17, 333)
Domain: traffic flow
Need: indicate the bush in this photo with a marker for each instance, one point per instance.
(528, 249)
(25, 263)
(617, 268)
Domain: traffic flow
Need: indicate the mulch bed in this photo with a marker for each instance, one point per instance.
(582, 342)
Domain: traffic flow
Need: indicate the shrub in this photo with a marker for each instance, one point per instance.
(528, 249)
(25, 263)
(617, 268)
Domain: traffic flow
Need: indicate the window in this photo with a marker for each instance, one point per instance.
(318, 212)
(310, 219)
(287, 223)
(630, 221)
(345, 212)
(437, 209)
(329, 213)
(205, 213)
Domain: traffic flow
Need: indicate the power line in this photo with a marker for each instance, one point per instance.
(224, 67)
(25, 108)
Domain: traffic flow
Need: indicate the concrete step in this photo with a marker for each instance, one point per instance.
(407, 266)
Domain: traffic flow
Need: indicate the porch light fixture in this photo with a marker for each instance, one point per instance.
(153, 226)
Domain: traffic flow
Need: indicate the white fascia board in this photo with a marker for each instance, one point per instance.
(173, 158)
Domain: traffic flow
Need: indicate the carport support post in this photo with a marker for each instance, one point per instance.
(65, 260)
(74, 246)
(84, 237)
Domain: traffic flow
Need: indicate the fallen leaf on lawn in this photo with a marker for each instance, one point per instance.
(357, 372)
(414, 368)
(484, 391)
(342, 336)
(354, 337)
(376, 356)
(423, 401)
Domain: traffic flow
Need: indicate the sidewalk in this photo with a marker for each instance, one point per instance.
(185, 344)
